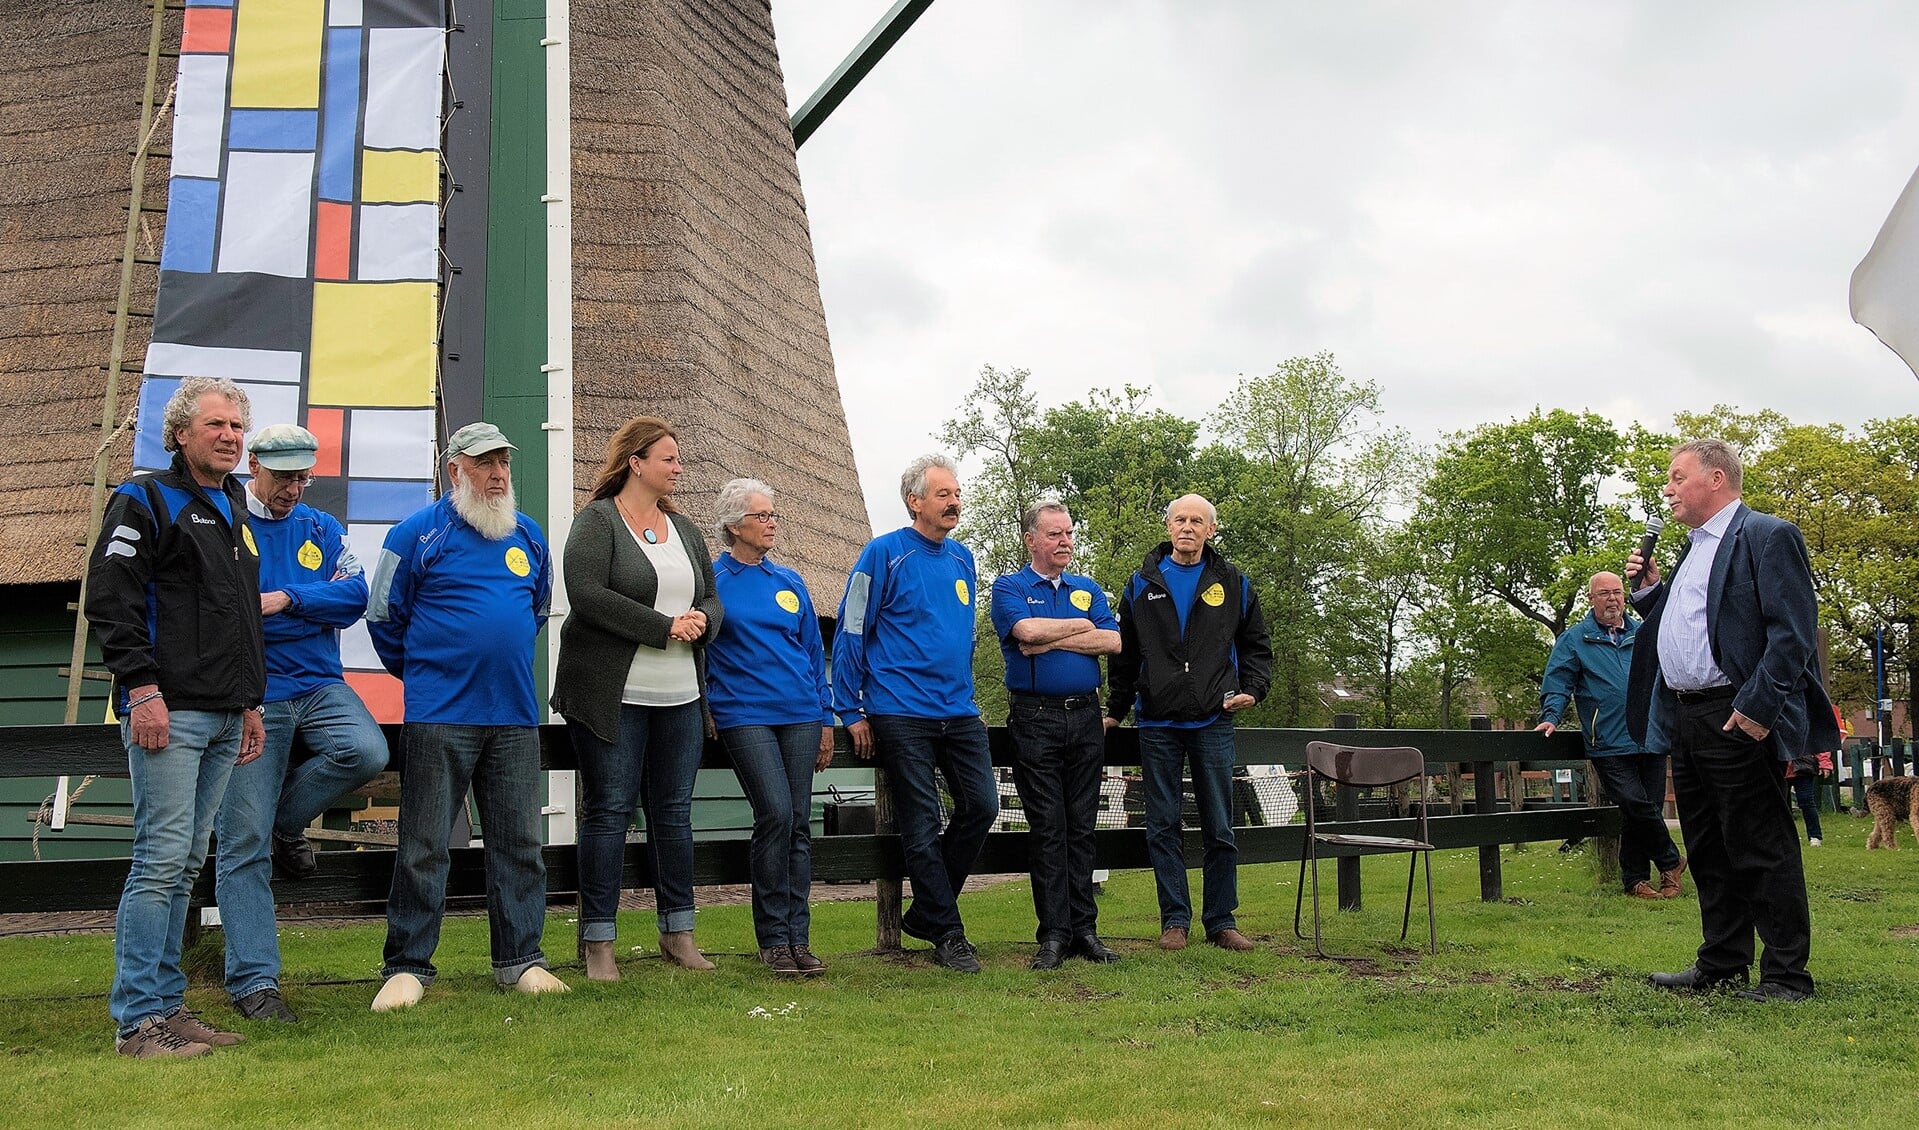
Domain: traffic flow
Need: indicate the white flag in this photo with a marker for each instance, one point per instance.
(1885, 285)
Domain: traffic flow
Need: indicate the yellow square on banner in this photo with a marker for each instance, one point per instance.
(399, 176)
(276, 54)
(372, 344)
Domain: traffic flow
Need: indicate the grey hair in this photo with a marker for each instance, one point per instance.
(184, 405)
(1212, 512)
(1715, 455)
(1029, 518)
(913, 479)
(729, 509)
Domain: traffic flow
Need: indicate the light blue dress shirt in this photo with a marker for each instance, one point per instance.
(1685, 647)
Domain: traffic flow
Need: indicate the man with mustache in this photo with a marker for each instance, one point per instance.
(903, 684)
(461, 590)
(1589, 665)
(1193, 652)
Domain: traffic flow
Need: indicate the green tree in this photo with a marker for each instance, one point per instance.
(996, 422)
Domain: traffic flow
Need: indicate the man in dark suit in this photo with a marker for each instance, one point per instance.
(1726, 679)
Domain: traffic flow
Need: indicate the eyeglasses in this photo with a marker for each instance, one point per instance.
(294, 478)
(762, 516)
(1609, 592)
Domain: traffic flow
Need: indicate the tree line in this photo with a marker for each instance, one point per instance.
(1414, 585)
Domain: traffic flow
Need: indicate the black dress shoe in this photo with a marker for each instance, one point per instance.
(1695, 980)
(1091, 948)
(1773, 991)
(1052, 955)
(293, 855)
(265, 1004)
(956, 953)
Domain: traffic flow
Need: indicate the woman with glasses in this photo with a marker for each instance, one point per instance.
(767, 689)
(629, 683)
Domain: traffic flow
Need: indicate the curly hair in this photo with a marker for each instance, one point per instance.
(184, 405)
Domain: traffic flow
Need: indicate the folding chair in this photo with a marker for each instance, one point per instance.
(1363, 768)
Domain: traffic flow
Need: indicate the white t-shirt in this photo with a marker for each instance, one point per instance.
(665, 676)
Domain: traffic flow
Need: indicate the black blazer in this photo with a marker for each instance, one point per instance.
(1762, 621)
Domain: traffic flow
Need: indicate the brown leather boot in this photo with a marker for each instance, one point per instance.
(600, 965)
(1230, 939)
(1172, 938)
(678, 948)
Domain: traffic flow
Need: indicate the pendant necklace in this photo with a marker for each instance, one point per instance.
(646, 532)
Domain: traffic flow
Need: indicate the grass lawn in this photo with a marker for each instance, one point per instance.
(1534, 1014)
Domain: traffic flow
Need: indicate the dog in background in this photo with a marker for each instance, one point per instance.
(1890, 801)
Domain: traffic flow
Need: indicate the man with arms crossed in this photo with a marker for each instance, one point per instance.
(1052, 627)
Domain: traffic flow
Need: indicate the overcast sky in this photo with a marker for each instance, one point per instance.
(1632, 208)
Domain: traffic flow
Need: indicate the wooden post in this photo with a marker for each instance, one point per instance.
(886, 892)
(1346, 807)
(1516, 791)
(1486, 802)
(1606, 848)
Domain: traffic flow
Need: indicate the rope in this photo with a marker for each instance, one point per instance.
(44, 814)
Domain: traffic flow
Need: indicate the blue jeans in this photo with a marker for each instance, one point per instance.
(502, 766)
(176, 794)
(916, 752)
(652, 762)
(1805, 791)
(775, 767)
(1163, 753)
(1636, 784)
(263, 798)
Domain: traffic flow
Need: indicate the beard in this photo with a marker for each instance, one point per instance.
(494, 518)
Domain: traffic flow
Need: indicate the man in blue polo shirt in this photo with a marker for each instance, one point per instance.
(460, 592)
(903, 684)
(1052, 627)
(311, 586)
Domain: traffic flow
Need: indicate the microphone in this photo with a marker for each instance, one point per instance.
(1654, 524)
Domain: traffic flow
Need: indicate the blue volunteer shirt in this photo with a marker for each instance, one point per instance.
(1028, 595)
(767, 665)
(904, 644)
(305, 556)
(454, 615)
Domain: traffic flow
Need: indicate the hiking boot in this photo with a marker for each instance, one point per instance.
(195, 1030)
(780, 960)
(956, 953)
(152, 1039)
(265, 1004)
(809, 965)
(293, 857)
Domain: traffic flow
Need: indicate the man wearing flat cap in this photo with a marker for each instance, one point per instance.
(311, 586)
(461, 589)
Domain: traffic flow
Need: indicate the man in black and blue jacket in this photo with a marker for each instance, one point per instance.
(1193, 652)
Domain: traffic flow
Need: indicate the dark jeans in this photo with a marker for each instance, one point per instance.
(1056, 767)
(1163, 753)
(652, 762)
(1743, 849)
(775, 767)
(916, 753)
(1805, 790)
(502, 766)
(1636, 784)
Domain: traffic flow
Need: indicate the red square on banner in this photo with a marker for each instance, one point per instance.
(333, 241)
(209, 31)
(328, 425)
(381, 692)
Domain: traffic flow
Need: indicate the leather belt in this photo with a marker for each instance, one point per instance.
(1710, 694)
(1062, 702)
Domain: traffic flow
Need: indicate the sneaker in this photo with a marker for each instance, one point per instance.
(195, 1030)
(780, 960)
(809, 965)
(1815, 841)
(956, 953)
(293, 857)
(265, 1004)
(152, 1039)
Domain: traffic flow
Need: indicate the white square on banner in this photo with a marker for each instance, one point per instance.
(356, 647)
(385, 444)
(266, 214)
(403, 87)
(399, 241)
(169, 359)
(199, 116)
(343, 13)
(271, 404)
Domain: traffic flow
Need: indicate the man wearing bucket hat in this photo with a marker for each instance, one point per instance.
(461, 589)
(311, 586)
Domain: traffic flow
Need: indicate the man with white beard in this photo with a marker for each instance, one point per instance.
(461, 590)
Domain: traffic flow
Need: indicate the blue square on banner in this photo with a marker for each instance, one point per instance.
(149, 444)
(284, 130)
(384, 500)
(193, 211)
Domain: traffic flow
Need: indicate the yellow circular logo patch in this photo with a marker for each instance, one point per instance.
(519, 566)
(965, 594)
(787, 599)
(246, 534)
(309, 555)
(1214, 595)
(1082, 600)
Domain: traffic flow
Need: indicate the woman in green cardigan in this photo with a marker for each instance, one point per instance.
(639, 584)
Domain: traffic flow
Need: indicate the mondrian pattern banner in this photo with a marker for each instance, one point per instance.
(302, 251)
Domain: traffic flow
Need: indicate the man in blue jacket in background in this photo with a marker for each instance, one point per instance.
(1590, 665)
(311, 586)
